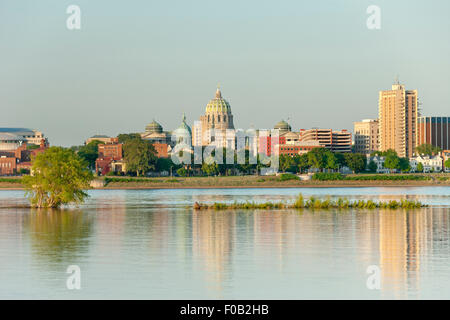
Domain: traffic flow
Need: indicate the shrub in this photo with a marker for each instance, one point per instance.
(288, 176)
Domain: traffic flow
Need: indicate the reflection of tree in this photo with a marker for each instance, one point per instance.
(58, 235)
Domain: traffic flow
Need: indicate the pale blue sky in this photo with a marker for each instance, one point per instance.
(132, 61)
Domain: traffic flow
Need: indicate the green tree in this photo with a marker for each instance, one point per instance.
(372, 166)
(182, 172)
(302, 163)
(139, 155)
(331, 161)
(317, 158)
(89, 153)
(447, 163)
(287, 163)
(210, 167)
(404, 165)
(355, 161)
(124, 137)
(392, 161)
(428, 149)
(419, 167)
(59, 177)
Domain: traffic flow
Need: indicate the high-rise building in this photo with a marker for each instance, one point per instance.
(366, 133)
(213, 125)
(398, 112)
(435, 131)
(335, 141)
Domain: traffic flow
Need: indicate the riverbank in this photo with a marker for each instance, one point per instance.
(244, 182)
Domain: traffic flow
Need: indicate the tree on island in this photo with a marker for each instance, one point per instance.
(372, 167)
(427, 149)
(59, 177)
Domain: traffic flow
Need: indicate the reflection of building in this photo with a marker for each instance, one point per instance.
(403, 241)
(398, 112)
(12, 138)
(366, 136)
(335, 141)
(434, 131)
(213, 238)
(217, 119)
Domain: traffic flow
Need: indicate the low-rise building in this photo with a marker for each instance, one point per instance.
(379, 161)
(429, 163)
(13, 161)
(366, 135)
(12, 138)
(297, 148)
(101, 138)
(110, 158)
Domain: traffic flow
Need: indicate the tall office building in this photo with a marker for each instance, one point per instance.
(398, 112)
(435, 131)
(367, 136)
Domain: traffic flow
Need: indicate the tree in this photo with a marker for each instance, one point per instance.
(428, 149)
(447, 163)
(59, 177)
(419, 167)
(124, 137)
(302, 162)
(404, 165)
(139, 155)
(286, 163)
(392, 160)
(210, 167)
(331, 161)
(89, 152)
(317, 158)
(355, 161)
(182, 172)
(372, 166)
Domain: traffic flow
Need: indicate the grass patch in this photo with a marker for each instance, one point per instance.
(314, 203)
(323, 176)
(288, 176)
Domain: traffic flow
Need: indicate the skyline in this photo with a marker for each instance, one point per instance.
(316, 64)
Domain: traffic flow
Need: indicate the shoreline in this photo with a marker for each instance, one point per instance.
(323, 184)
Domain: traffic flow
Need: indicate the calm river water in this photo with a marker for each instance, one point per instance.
(150, 244)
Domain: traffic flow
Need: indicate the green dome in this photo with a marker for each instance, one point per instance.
(218, 104)
(154, 127)
(283, 126)
(183, 127)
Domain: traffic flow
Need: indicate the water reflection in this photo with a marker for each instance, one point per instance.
(58, 235)
(143, 244)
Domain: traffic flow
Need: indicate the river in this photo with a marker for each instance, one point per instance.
(150, 244)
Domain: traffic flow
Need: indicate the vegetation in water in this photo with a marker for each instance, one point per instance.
(314, 203)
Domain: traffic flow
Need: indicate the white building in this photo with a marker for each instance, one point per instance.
(12, 138)
(429, 163)
(379, 161)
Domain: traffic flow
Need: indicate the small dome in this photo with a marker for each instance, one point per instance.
(183, 128)
(218, 104)
(283, 126)
(154, 127)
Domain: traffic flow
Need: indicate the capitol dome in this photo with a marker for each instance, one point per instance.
(183, 128)
(283, 126)
(154, 127)
(218, 104)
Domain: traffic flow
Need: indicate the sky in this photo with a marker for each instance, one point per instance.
(313, 62)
